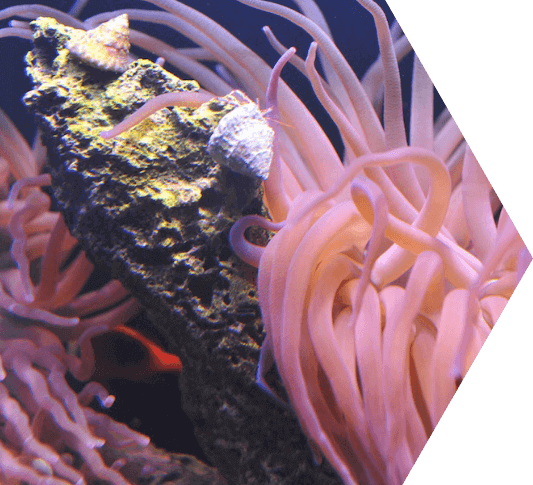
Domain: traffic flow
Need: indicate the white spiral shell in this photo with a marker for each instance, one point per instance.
(243, 142)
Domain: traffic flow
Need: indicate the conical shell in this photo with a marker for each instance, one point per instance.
(243, 141)
(105, 47)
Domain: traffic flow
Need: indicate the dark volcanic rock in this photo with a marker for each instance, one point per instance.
(152, 207)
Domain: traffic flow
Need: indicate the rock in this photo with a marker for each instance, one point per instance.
(155, 209)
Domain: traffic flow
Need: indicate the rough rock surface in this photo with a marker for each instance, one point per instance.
(152, 206)
(150, 466)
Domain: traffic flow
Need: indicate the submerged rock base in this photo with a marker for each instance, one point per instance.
(156, 210)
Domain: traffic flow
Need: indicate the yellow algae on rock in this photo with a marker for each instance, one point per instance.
(150, 204)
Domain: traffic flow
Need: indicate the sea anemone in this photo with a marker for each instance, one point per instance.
(389, 265)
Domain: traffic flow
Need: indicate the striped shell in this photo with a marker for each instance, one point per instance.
(105, 47)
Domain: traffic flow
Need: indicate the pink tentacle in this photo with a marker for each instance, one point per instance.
(189, 99)
(276, 197)
(248, 252)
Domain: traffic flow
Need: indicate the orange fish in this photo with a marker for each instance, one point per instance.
(125, 353)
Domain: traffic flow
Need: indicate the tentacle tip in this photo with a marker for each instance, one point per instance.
(99, 443)
(118, 464)
(106, 135)
(456, 373)
(144, 441)
(260, 381)
(107, 402)
(63, 321)
(315, 452)
(72, 322)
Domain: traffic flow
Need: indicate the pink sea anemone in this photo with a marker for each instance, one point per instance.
(46, 426)
(388, 267)
(378, 291)
(41, 279)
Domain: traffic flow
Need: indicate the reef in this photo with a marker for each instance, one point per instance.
(155, 209)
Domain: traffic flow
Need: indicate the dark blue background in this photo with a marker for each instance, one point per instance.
(352, 27)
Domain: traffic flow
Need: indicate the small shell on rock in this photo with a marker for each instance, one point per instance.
(243, 142)
(105, 47)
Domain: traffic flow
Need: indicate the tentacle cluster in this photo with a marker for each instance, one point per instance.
(378, 291)
(46, 426)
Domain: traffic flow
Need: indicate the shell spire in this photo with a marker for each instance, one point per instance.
(105, 47)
